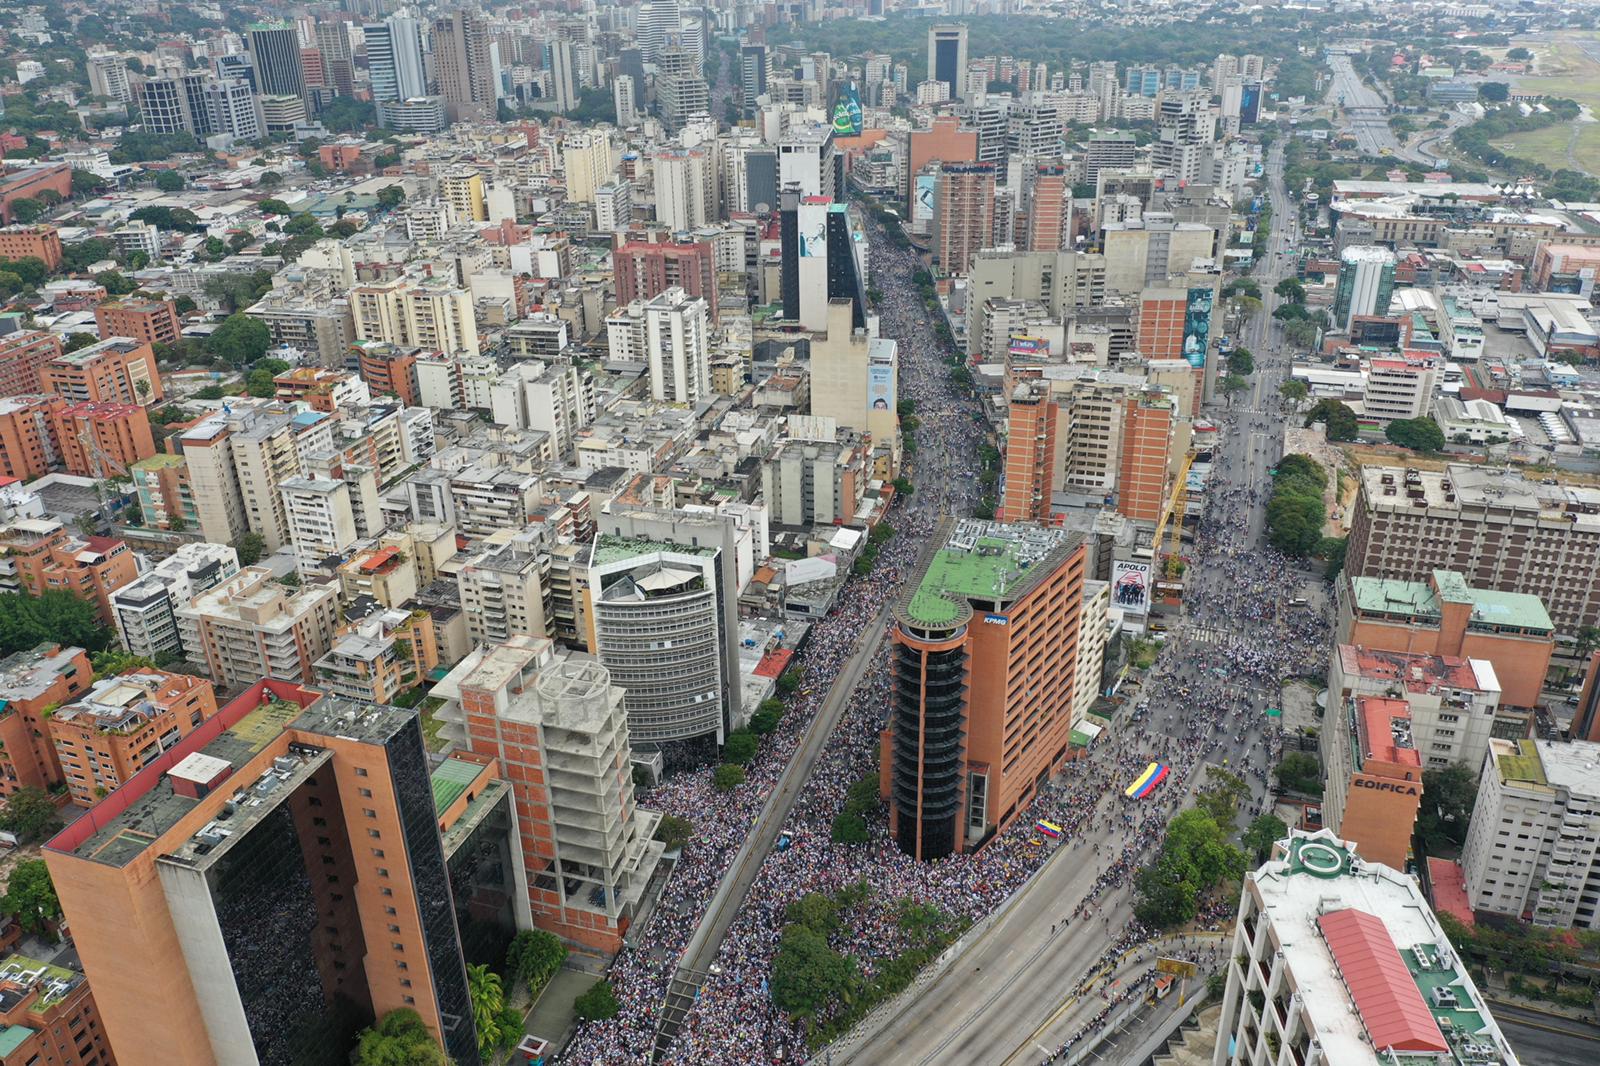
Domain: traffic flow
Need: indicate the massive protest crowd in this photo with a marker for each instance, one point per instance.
(1199, 706)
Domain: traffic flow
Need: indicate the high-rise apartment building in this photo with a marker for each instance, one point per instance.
(38, 555)
(1186, 134)
(1498, 529)
(557, 397)
(103, 440)
(563, 75)
(276, 880)
(678, 346)
(463, 66)
(1373, 787)
(23, 356)
(428, 313)
(320, 519)
(251, 627)
(686, 188)
(622, 101)
(48, 1014)
(681, 90)
(613, 207)
(1453, 703)
(645, 268)
(752, 74)
(1151, 428)
(1342, 962)
(963, 214)
(1533, 844)
(969, 740)
(115, 370)
(111, 732)
(587, 161)
(1111, 150)
(1048, 196)
(274, 52)
(505, 592)
(1401, 386)
(1030, 455)
(175, 105)
(855, 377)
(947, 58)
(146, 609)
(394, 59)
(651, 571)
(557, 727)
(32, 684)
(1366, 282)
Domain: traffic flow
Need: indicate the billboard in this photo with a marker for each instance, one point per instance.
(922, 203)
(847, 113)
(880, 387)
(1250, 104)
(812, 222)
(1130, 587)
(1022, 344)
(1197, 325)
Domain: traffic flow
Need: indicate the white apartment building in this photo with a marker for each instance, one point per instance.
(1400, 387)
(320, 519)
(588, 162)
(1533, 846)
(146, 610)
(613, 206)
(251, 627)
(505, 591)
(1340, 962)
(678, 347)
(1097, 629)
(686, 188)
(484, 500)
(416, 313)
(556, 397)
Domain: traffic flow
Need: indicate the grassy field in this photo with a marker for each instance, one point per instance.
(1565, 70)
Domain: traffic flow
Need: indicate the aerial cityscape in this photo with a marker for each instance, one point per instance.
(998, 532)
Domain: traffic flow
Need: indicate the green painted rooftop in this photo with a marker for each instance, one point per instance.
(13, 1037)
(453, 777)
(1490, 607)
(1525, 765)
(982, 561)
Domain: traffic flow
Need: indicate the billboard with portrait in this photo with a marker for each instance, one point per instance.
(1130, 587)
(922, 206)
(880, 386)
(1197, 325)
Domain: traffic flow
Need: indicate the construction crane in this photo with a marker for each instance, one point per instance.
(1172, 514)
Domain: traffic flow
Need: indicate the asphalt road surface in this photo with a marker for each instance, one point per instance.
(1544, 1040)
(1366, 112)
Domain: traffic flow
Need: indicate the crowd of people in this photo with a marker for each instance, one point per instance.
(1197, 709)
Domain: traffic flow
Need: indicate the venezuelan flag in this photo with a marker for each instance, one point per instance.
(1153, 775)
(1049, 829)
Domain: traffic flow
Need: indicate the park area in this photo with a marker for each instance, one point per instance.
(1569, 68)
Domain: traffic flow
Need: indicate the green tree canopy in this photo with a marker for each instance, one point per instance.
(114, 283)
(111, 662)
(26, 210)
(1195, 858)
(1448, 796)
(598, 1003)
(1300, 771)
(1290, 289)
(1241, 362)
(1340, 420)
(674, 832)
(740, 747)
(31, 814)
(728, 777)
(240, 339)
(31, 896)
(250, 546)
(180, 219)
(534, 956)
(56, 616)
(1263, 832)
(400, 1038)
(169, 181)
(808, 974)
(1419, 434)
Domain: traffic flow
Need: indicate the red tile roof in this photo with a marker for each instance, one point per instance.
(1388, 1000)
(772, 663)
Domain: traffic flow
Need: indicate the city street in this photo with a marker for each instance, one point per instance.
(1014, 980)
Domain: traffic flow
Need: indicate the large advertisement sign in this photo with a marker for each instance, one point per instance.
(1130, 587)
(880, 386)
(1250, 104)
(1032, 346)
(847, 113)
(1197, 326)
(922, 205)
